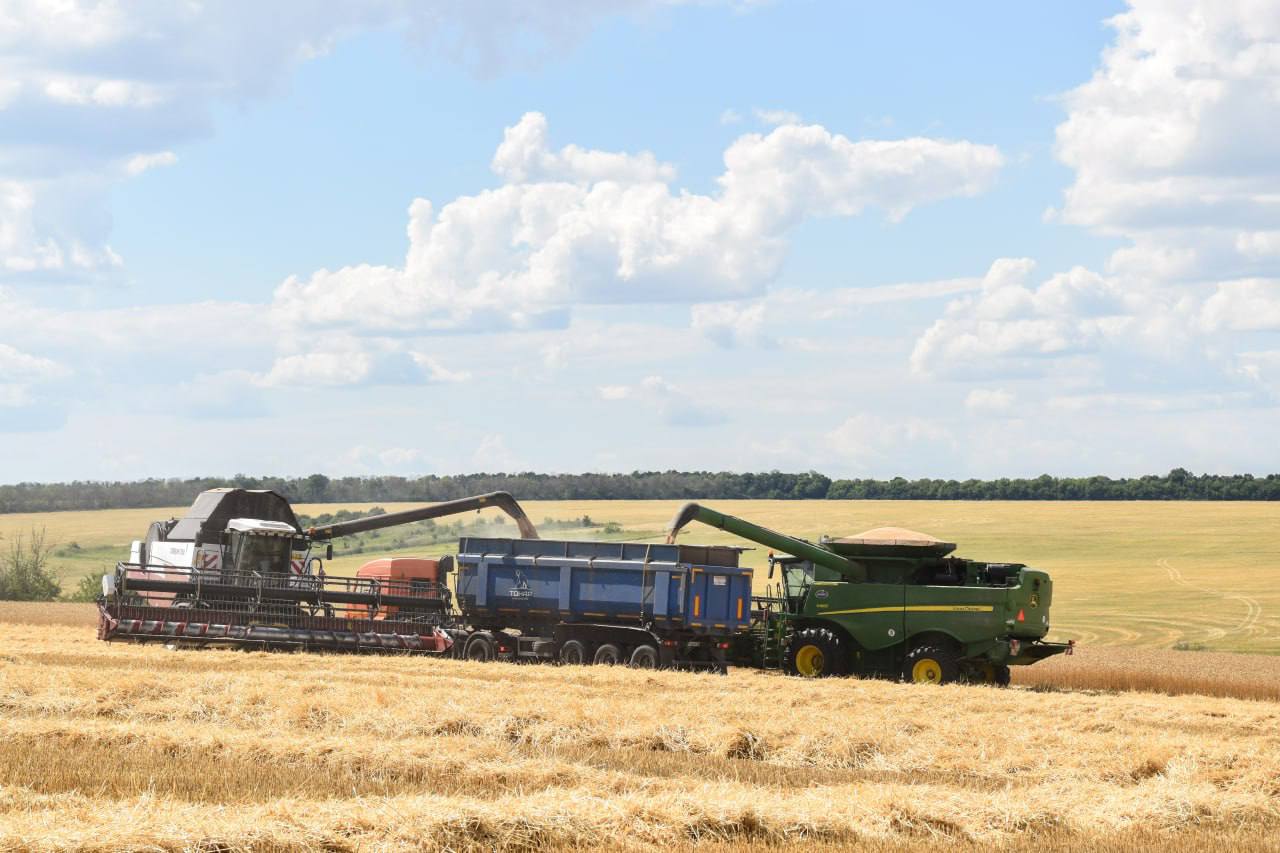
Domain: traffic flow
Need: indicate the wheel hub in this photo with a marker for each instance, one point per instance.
(809, 661)
(926, 671)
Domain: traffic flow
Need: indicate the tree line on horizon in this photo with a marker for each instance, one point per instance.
(1178, 484)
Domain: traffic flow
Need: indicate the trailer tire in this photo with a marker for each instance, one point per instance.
(481, 648)
(816, 653)
(930, 664)
(573, 653)
(644, 657)
(607, 655)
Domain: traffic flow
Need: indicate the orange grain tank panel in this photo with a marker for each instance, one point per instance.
(401, 569)
(400, 572)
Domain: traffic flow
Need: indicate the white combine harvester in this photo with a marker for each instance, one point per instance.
(238, 569)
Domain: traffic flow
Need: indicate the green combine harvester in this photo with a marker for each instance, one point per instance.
(890, 603)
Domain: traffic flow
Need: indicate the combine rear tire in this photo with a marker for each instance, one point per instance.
(573, 653)
(930, 664)
(481, 648)
(608, 655)
(644, 657)
(816, 653)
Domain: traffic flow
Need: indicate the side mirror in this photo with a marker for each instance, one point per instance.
(328, 551)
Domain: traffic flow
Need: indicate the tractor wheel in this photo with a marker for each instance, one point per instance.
(608, 655)
(816, 653)
(644, 657)
(930, 664)
(481, 648)
(573, 653)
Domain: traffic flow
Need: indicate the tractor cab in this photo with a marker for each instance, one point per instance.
(265, 548)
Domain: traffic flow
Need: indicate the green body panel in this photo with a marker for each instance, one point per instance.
(976, 617)
(885, 598)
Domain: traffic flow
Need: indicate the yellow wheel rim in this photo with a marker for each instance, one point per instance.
(926, 671)
(809, 661)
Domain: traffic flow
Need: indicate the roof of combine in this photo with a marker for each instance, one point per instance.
(213, 509)
(890, 542)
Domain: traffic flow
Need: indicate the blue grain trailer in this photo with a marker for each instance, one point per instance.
(600, 602)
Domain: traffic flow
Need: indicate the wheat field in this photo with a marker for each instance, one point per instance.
(111, 747)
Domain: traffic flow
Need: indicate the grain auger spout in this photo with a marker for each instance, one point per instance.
(693, 511)
(502, 500)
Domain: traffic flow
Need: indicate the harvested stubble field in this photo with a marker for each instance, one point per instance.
(1126, 745)
(125, 747)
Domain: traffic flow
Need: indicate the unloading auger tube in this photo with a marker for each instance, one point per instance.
(502, 500)
(694, 511)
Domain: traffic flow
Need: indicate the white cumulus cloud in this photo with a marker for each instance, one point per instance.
(729, 324)
(1173, 139)
(574, 226)
(97, 92)
(673, 405)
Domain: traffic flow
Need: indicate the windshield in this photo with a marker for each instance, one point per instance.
(266, 555)
(797, 577)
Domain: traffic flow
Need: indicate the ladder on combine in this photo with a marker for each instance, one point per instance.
(768, 630)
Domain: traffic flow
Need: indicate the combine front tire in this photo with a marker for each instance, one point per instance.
(816, 653)
(930, 665)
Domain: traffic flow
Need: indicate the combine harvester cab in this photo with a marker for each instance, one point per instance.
(601, 602)
(237, 570)
(890, 602)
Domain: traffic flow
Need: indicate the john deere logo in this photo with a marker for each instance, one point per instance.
(1035, 600)
(520, 586)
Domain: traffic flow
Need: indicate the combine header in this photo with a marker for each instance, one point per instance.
(237, 569)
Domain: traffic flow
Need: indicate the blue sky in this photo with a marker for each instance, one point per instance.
(918, 239)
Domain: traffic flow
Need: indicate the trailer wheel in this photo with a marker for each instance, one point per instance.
(481, 648)
(644, 657)
(930, 665)
(816, 653)
(608, 655)
(573, 653)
